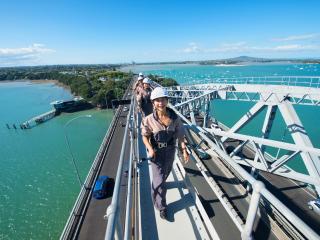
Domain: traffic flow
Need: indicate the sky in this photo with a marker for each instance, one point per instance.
(43, 32)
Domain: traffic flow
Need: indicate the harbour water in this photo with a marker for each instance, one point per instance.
(192, 73)
(38, 184)
(189, 73)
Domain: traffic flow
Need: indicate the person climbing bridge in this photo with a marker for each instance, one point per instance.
(160, 131)
(143, 98)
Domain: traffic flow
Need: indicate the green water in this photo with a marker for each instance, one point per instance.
(229, 112)
(189, 73)
(38, 184)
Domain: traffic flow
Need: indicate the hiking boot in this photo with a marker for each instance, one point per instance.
(163, 214)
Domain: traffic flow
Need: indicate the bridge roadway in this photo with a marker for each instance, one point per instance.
(294, 194)
(234, 191)
(152, 227)
(94, 224)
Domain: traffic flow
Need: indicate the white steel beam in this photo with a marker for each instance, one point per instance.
(266, 129)
(206, 112)
(191, 108)
(301, 138)
(267, 142)
(281, 171)
(259, 155)
(282, 160)
(298, 223)
(278, 163)
(246, 118)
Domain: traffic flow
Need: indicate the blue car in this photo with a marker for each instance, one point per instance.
(315, 205)
(101, 187)
(202, 154)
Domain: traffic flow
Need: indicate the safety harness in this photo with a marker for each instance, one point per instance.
(164, 138)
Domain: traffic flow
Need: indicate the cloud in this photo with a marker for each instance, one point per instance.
(297, 37)
(25, 55)
(283, 48)
(296, 47)
(231, 47)
(193, 48)
(243, 47)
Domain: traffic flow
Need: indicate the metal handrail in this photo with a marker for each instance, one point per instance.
(293, 219)
(83, 199)
(258, 187)
(306, 81)
(129, 194)
(113, 210)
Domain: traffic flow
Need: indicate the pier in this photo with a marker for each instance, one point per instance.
(39, 119)
(241, 192)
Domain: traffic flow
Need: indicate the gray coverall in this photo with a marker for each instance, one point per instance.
(163, 140)
(137, 87)
(144, 102)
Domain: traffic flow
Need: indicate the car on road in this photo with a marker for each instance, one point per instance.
(101, 187)
(125, 109)
(315, 205)
(202, 154)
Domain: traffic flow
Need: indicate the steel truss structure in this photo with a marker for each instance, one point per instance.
(193, 99)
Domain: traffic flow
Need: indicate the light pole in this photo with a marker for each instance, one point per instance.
(68, 144)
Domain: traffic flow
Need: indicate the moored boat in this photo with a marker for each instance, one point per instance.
(76, 104)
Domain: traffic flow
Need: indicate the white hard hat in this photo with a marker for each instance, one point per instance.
(158, 92)
(141, 74)
(140, 78)
(146, 80)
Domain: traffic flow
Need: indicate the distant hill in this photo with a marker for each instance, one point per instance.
(247, 59)
(239, 61)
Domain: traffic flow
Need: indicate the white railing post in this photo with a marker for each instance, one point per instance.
(252, 212)
(128, 227)
(112, 214)
(119, 230)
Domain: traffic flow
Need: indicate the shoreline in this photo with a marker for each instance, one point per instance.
(55, 82)
(230, 65)
(40, 81)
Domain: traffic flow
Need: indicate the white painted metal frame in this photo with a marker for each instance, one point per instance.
(114, 228)
(185, 108)
(272, 101)
(249, 95)
(246, 234)
(277, 166)
(306, 81)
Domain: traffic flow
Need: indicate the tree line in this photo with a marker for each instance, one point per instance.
(98, 84)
